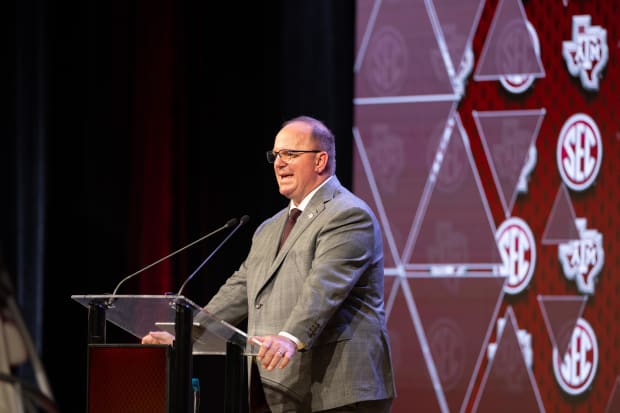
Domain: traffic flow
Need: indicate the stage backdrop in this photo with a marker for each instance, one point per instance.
(486, 139)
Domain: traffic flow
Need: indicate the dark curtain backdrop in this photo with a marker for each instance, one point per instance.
(145, 129)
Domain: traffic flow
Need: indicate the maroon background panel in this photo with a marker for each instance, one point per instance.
(559, 95)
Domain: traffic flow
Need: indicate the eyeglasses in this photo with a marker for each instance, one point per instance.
(286, 155)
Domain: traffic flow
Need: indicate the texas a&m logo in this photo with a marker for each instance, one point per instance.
(586, 55)
(583, 259)
(579, 152)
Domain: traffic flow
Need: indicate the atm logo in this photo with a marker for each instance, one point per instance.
(587, 53)
(583, 259)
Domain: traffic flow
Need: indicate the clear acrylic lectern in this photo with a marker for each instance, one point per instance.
(140, 314)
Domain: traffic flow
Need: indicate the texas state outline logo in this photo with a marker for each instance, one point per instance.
(583, 259)
(587, 53)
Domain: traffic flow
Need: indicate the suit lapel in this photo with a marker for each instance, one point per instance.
(311, 212)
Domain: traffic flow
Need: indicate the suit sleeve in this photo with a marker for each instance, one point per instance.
(333, 293)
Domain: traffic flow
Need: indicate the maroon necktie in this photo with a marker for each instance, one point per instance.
(292, 218)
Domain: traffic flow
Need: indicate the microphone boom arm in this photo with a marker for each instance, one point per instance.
(242, 221)
(229, 224)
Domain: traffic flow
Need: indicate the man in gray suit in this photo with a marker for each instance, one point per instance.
(315, 303)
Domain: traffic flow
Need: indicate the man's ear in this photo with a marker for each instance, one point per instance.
(320, 162)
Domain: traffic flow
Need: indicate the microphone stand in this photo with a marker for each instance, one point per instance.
(182, 360)
(242, 221)
(180, 389)
(97, 310)
(230, 223)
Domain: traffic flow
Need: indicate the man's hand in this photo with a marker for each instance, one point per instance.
(275, 351)
(158, 337)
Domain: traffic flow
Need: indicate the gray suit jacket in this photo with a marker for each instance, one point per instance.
(325, 287)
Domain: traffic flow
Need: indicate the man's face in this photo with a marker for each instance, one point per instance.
(298, 176)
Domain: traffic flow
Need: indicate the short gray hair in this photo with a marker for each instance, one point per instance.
(322, 135)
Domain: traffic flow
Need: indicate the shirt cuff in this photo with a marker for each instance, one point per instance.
(295, 340)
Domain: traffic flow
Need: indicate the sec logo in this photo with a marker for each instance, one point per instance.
(575, 371)
(517, 248)
(579, 152)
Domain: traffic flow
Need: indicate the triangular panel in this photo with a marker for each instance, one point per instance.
(613, 404)
(458, 20)
(398, 57)
(561, 225)
(362, 179)
(394, 150)
(365, 15)
(561, 314)
(414, 385)
(508, 49)
(507, 136)
(508, 385)
(455, 226)
(457, 315)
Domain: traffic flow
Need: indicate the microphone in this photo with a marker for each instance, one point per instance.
(231, 223)
(242, 221)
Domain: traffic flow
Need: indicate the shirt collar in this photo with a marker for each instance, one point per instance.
(304, 202)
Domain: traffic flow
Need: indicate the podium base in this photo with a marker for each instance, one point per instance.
(128, 378)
